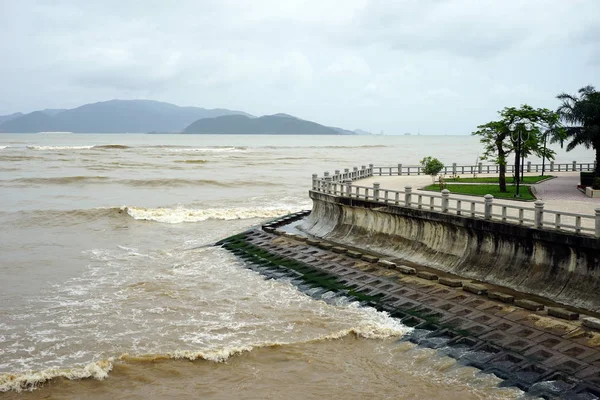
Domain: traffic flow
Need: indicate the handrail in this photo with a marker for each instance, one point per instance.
(487, 209)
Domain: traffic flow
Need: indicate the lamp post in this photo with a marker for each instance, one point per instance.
(518, 128)
(549, 131)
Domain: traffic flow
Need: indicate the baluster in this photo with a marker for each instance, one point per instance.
(557, 221)
(420, 202)
(577, 224)
(503, 213)
(473, 208)
(458, 207)
(521, 212)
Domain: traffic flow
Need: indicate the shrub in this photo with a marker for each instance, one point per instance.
(432, 166)
(596, 184)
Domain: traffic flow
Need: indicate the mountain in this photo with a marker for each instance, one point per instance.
(53, 111)
(114, 116)
(361, 132)
(4, 118)
(278, 124)
(36, 121)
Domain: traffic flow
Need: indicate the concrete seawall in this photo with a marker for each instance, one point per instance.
(548, 263)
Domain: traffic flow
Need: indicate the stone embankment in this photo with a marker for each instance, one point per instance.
(547, 351)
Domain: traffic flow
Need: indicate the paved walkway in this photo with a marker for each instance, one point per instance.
(558, 194)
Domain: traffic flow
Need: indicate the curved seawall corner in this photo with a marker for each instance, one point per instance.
(561, 267)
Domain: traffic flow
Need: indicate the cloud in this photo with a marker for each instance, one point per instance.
(379, 65)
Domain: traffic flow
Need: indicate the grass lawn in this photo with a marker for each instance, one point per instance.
(482, 190)
(494, 179)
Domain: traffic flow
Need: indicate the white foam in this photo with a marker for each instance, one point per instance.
(60, 147)
(29, 380)
(180, 214)
(209, 150)
(4, 147)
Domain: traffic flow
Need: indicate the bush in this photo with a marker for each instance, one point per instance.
(432, 166)
(596, 184)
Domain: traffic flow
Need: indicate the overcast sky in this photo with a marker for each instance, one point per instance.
(434, 66)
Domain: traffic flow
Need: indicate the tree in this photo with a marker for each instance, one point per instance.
(582, 113)
(499, 141)
(432, 166)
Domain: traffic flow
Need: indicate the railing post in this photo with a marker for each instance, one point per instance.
(407, 195)
(327, 184)
(315, 177)
(363, 171)
(598, 222)
(370, 173)
(376, 191)
(454, 169)
(337, 175)
(346, 173)
(445, 200)
(480, 168)
(539, 214)
(349, 187)
(574, 165)
(399, 169)
(488, 206)
(355, 173)
(551, 166)
(528, 166)
(326, 174)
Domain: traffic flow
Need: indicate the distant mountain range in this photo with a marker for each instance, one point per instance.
(278, 124)
(144, 116)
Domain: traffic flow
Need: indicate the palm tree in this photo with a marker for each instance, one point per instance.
(582, 113)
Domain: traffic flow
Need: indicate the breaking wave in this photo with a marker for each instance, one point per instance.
(111, 146)
(179, 182)
(60, 147)
(207, 149)
(192, 161)
(4, 147)
(379, 327)
(180, 214)
(60, 180)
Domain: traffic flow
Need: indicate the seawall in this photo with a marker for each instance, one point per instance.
(549, 263)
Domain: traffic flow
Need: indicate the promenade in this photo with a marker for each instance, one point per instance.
(558, 194)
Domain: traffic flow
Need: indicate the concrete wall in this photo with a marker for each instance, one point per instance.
(559, 266)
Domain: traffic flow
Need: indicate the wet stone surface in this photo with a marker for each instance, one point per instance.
(547, 354)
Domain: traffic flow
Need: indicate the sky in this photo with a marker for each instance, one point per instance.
(397, 66)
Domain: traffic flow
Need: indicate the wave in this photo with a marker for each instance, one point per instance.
(100, 370)
(207, 149)
(179, 215)
(60, 147)
(4, 147)
(111, 146)
(60, 180)
(364, 146)
(30, 380)
(192, 161)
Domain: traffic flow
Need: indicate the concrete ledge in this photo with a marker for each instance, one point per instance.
(474, 288)
(386, 264)
(368, 258)
(406, 270)
(354, 254)
(529, 305)
(450, 282)
(503, 297)
(325, 246)
(562, 313)
(427, 275)
(591, 322)
(312, 242)
(339, 250)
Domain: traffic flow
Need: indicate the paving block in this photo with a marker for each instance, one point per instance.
(529, 305)
(368, 258)
(406, 270)
(591, 322)
(563, 313)
(503, 297)
(338, 249)
(386, 264)
(474, 288)
(450, 282)
(427, 275)
(354, 254)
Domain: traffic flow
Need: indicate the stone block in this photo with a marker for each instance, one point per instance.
(427, 275)
(280, 232)
(386, 264)
(406, 269)
(562, 313)
(368, 258)
(269, 229)
(325, 246)
(474, 288)
(338, 249)
(450, 282)
(312, 242)
(503, 297)
(529, 305)
(354, 254)
(591, 322)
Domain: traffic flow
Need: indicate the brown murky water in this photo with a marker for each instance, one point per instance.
(110, 288)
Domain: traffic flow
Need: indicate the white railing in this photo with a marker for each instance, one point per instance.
(536, 217)
(454, 169)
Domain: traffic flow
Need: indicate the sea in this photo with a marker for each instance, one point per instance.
(111, 288)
